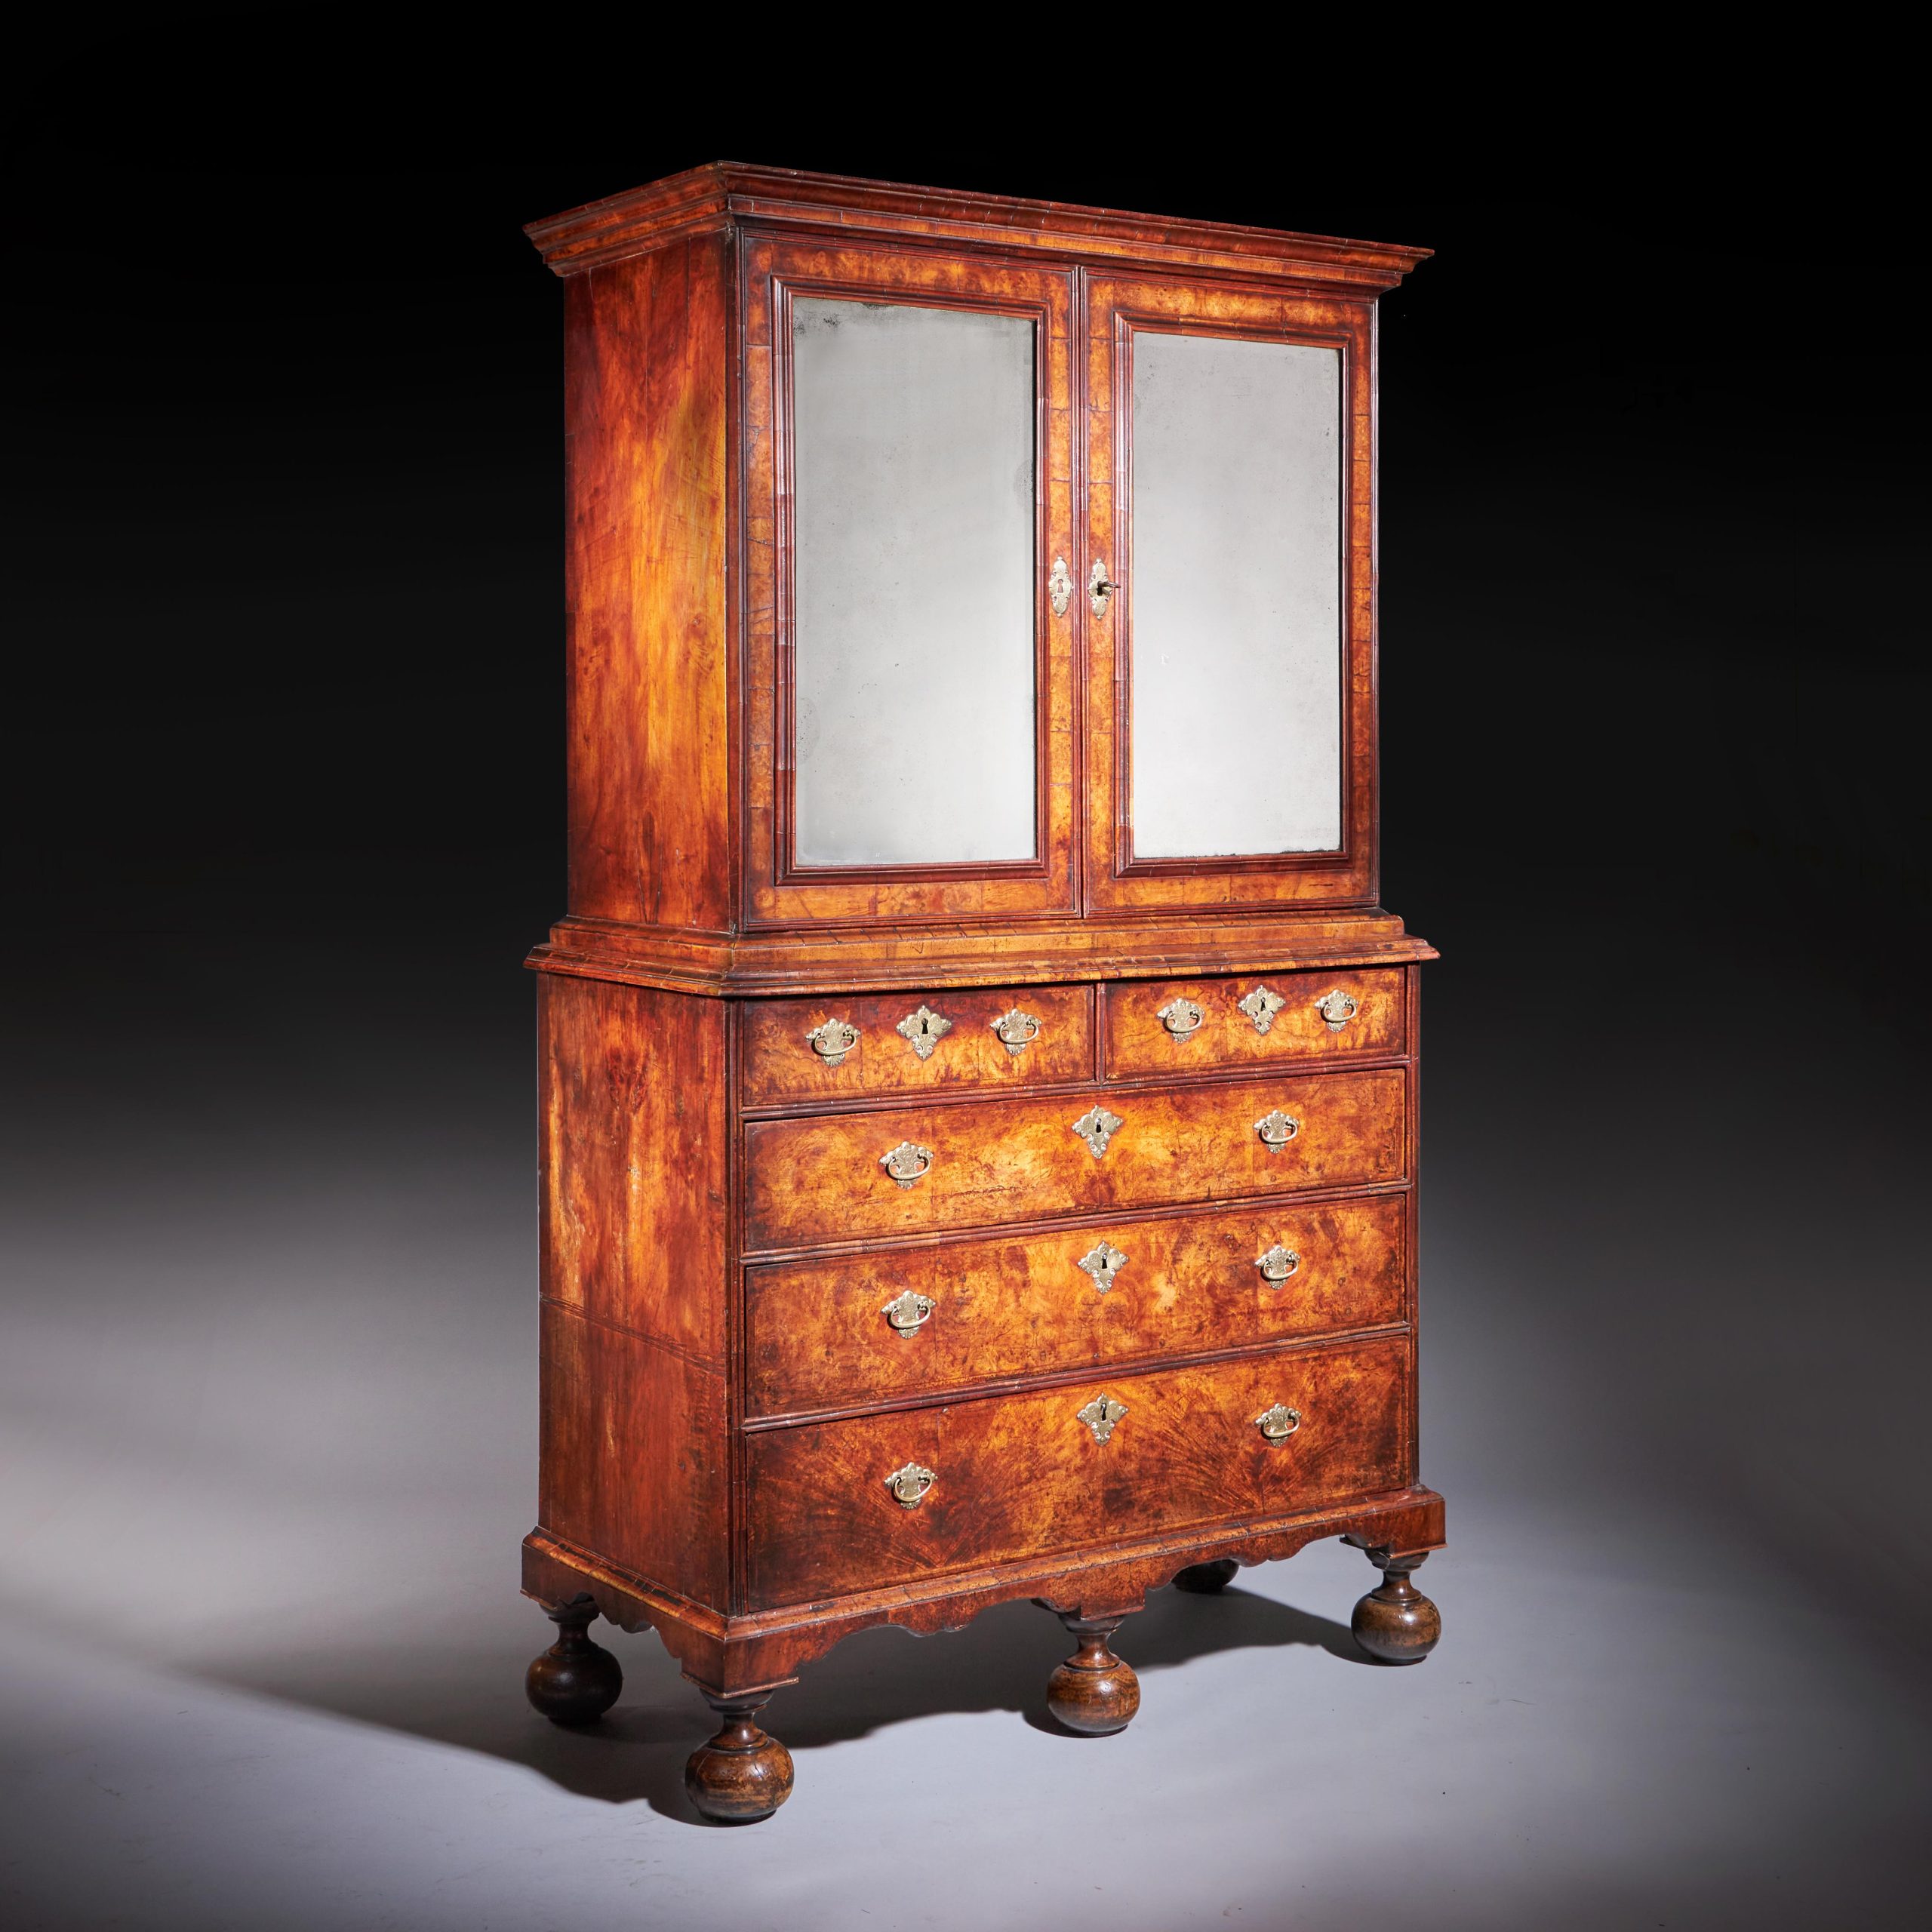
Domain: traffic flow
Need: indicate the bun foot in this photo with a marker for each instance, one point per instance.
(1207, 1579)
(575, 1681)
(1093, 1692)
(743, 1773)
(1396, 1623)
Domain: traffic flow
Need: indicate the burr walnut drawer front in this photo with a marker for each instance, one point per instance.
(918, 1321)
(851, 1177)
(883, 1500)
(1191, 1026)
(796, 1052)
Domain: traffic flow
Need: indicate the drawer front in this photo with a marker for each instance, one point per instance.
(821, 1180)
(826, 1334)
(1014, 1475)
(1349, 1011)
(807, 1051)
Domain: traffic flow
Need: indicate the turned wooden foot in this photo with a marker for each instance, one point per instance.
(1207, 1579)
(1093, 1692)
(575, 1681)
(743, 1773)
(1395, 1622)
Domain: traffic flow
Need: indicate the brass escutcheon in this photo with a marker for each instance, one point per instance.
(1099, 590)
(1059, 587)
(1097, 1127)
(907, 1163)
(909, 1485)
(925, 1029)
(1277, 1129)
(1017, 1031)
(1100, 1414)
(1181, 1017)
(833, 1040)
(1278, 1264)
(1103, 1264)
(908, 1310)
(1261, 1007)
(1277, 1424)
(1337, 1009)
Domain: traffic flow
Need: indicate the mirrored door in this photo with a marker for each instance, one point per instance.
(1231, 688)
(908, 502)
(914, 487)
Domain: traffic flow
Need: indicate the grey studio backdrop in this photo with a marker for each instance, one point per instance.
(267, 1422)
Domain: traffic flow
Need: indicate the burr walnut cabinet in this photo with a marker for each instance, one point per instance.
(978, 1081)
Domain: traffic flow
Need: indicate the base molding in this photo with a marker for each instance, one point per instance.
(766, 1648)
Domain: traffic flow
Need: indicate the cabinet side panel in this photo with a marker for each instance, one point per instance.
(636, 1195)
(634, 1446)
(633, 1455)
(646, 357)
(1413, 978)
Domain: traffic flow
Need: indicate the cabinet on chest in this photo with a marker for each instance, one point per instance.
(978, 1082)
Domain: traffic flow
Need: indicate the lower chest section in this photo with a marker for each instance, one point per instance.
(1160, 1276)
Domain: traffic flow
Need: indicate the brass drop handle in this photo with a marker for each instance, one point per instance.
(1278, 1264)
(1016, 1031)
(1277, 1129)
(1099, 590)
(908, 1310)
(907, 1163)
(909, 1485)
(1277, 1424)
(833, 1040)
(1181, 1017)
(1337, 1009)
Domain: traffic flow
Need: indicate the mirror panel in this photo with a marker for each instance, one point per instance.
(1234, 601)
(913, 574)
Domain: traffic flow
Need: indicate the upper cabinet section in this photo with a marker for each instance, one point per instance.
(937, 558)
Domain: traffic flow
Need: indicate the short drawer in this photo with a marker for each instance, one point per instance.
(807, 1050)
(1191, 1026)
(1004, 1477)
(921, 1321)
(852, 1177)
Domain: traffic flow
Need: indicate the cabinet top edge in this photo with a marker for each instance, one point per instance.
(725, 192)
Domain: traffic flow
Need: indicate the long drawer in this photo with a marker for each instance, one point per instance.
(990, 1480)
(918, 1320)
(1198, 1026)
(848, 1176)
(807, 1051)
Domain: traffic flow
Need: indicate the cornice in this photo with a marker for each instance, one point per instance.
(728, 193)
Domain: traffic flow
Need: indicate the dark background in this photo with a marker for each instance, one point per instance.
(285, 709)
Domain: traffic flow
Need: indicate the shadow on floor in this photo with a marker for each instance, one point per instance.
(473, 1698)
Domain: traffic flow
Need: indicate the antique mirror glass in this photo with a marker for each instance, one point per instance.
(912, 455)
(1234, 600)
